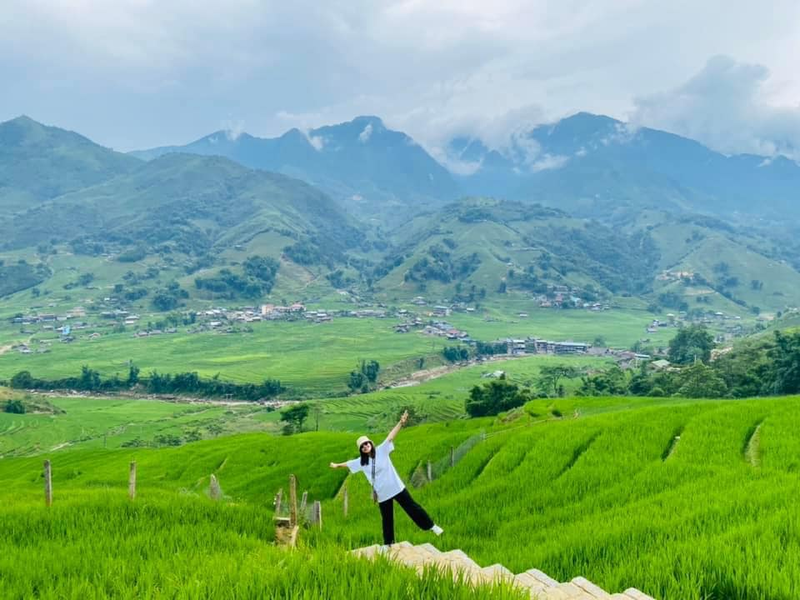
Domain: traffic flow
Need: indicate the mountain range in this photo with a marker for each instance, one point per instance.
(588, 164)
(587, 203)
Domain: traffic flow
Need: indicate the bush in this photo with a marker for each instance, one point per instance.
(495, 397)
(15, 407)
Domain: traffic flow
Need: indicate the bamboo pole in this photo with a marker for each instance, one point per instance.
(278, 500)
(132, 481)
(292, 500)
(317, 511)
(345, 501)
(452, 457)
(430, 473)
(214, 491)
(48, 484)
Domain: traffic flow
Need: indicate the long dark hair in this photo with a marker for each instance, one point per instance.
(366, 456)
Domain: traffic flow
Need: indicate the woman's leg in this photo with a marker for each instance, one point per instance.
(387, 517)
(414, 510)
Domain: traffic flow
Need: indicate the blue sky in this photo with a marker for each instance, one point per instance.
(141, 73)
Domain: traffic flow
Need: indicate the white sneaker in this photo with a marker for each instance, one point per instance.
(437, 530)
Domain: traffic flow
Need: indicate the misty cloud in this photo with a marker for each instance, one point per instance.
(364, 136)
(725, 106)
(140, 73)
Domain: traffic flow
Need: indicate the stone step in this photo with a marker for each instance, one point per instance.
(498, 572)
(637, 595)
(527, 581)
(571, 590)
(460, 558)
(430, 548)
(595, 591)
(543, 577)
(540, 585)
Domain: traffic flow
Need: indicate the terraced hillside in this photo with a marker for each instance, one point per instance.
(684, 500)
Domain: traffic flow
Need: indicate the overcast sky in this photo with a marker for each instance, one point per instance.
(141, 73)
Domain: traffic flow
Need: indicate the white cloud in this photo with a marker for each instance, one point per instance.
(727, 107)
(548, 162)
(364, 136)
(316, 141)
(175, 69)
(233, 129)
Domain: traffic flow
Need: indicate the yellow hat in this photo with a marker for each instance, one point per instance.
(363, 440)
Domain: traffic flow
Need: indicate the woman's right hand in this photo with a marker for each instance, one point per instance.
(334, 465)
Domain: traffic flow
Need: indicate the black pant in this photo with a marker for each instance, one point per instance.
(413, 510)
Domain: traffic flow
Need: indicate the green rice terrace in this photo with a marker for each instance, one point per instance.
(682, 499)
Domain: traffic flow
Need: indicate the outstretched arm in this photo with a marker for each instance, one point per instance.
(393, 433)
(338, 465)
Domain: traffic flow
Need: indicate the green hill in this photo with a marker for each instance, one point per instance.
(38, 163)
(685, 500)
(480, 247)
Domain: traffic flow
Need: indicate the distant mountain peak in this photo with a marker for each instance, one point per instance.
(369, 120)
(22, 119)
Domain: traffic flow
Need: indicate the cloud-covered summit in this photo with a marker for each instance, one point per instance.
(726, 107)
(142, 73)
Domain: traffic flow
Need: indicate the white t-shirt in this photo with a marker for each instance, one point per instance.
(387, 482)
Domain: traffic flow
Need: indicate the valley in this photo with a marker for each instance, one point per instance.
(595, 346)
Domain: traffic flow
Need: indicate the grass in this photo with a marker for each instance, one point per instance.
(100, 546)
(312, 358)
(439, 399)
(111, 422)
(596, 495)
(618, 327)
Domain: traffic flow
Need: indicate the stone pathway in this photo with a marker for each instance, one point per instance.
(540, 585)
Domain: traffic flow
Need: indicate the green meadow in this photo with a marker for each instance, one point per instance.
(618, 327)
(111, 422)
(312, 358)
(682, 499)
(89, 422)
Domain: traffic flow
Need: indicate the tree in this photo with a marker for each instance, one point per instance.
(294, 417)
(551, 375)
(786, 363)
(89, 380)
(495, 397)
(133, 375)
(14, 407)
(612, 382)
(415, 417)
(701, 381)
(356, 381)
(455, 353)
(22, 381)
(371, 370)
(690, 344)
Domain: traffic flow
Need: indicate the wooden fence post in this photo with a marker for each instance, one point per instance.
(214, 491)
(317, 511)
(132, 481)
(430, 477)
(303, 502)
(292, 500)
(278, 500)
(452, 457)
(345, 501)
(48, 484)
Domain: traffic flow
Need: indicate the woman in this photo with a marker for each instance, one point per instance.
(387, 487)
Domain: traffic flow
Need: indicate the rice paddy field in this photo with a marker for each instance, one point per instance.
(113, 422)
(312, 358)
(683, 499)
(89, 422)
